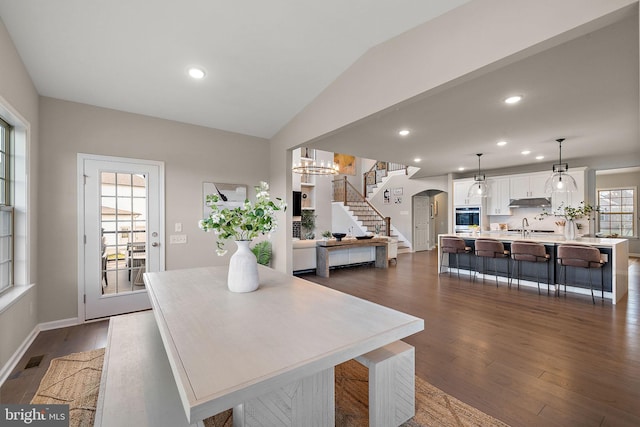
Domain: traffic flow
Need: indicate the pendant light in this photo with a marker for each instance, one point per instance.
(479, 188)
(560, 181)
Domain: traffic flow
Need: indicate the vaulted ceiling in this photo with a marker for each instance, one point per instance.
(265, 61)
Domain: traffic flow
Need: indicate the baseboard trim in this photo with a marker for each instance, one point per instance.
(62, 323)
(8, 367)
(17, 355)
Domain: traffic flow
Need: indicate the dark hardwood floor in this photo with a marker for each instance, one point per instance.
(527, 359)
(23, 382)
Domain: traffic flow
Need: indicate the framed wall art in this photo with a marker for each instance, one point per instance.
(346, 163)
(231, 195)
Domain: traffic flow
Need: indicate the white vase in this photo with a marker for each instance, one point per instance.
(570, 230)
(243, 269)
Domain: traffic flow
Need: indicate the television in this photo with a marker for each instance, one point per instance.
(297, 203)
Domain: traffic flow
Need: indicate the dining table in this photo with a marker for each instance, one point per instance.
(228, 350)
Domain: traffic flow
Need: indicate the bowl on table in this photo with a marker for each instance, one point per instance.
(368, 236)
(338, 236)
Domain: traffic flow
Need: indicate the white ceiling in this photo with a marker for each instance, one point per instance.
(585, 90)
(266, 61)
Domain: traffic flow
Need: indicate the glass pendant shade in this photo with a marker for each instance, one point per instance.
(560, 181)
(479, 188)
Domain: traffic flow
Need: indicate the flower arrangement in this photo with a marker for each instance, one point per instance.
(569, 212)
(244, 222)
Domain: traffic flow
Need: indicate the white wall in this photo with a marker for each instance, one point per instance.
(192, 155)
(401, 213)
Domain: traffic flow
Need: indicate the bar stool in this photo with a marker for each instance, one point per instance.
(529, 252)
(580, 256)
(455, 246)
(490, 248)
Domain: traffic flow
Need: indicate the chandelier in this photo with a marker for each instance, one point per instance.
(311, 167)
(479, 188)
(560, 181)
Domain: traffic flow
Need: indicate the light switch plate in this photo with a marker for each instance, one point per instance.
(177, 239)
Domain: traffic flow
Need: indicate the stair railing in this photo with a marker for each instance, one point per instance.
(371, 176)
(345, 192)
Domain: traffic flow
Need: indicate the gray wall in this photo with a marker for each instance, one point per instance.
(433, 56)
(191, 154)
(18, 94)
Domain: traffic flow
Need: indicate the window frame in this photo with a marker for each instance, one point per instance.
(634, 213)
(6, 205)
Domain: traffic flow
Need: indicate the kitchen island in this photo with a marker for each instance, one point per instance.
(614, 251)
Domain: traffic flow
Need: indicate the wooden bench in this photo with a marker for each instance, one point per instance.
(137, 386)
(391, 384)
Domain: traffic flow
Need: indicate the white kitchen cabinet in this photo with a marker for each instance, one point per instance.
(573, 199)
(528, 186)
(460, 191)
(499, 196)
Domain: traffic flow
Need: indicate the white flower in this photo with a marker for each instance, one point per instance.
(201, 224)
(244, 222)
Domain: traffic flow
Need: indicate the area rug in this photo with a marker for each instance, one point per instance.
(434, 407)
(75, 380)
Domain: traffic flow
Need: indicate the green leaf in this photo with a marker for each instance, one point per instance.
(262, 251)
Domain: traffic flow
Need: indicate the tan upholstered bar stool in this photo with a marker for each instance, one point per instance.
(455, 246)
(529, 252)
(490, 248)
(580, 256)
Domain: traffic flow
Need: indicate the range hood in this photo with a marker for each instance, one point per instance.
(536, 202)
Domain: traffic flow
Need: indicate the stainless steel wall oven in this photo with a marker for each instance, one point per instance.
(466, 216)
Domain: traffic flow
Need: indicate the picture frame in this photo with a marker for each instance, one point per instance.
(232, 195)
(346, 163)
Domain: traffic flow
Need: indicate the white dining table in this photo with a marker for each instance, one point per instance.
(228, 348)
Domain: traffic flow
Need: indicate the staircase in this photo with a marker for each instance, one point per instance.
(377, 174)
(364, 214)
(368, 219)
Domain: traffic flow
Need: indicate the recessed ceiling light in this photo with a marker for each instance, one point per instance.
(513, 99)
(417, 160)
(502, 143)
(460, 168)
(196, 73)
(404, 132)
(526, 152)
(539, 157)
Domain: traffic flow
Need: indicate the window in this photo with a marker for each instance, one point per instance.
(617, 211)
(6, 210)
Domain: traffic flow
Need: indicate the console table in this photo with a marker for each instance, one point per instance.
(324, 247)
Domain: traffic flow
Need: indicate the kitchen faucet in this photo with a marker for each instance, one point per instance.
(525, 224)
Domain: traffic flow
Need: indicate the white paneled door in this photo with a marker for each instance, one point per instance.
(120, 230)
(421, 222)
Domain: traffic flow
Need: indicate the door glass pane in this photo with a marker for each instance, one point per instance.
(124, 225)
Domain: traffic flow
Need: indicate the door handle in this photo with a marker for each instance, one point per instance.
(155, 244)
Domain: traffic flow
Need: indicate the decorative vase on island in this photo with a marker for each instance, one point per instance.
(570, 230)
(243, 269)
